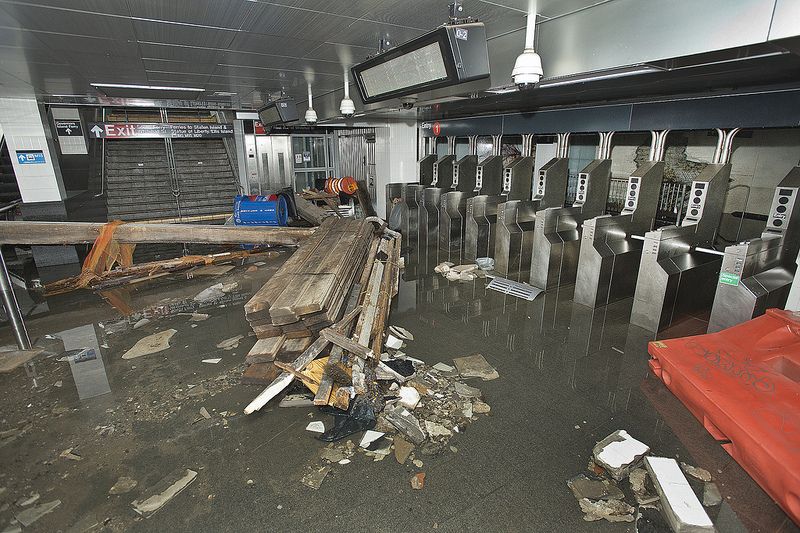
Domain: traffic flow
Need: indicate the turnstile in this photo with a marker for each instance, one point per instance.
(453, 208)
(513, 245)
(676, 274)
(609, 255)
(407, 201)
(758, 274)
(431, 201)
(496, 185)
(557, 230)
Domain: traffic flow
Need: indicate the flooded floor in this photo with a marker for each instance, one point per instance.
(569, 376)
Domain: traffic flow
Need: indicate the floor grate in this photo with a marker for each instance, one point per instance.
(514, 288)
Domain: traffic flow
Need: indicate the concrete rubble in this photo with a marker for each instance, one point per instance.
(619, 453)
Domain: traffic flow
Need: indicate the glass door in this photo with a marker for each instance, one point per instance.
(312, 160)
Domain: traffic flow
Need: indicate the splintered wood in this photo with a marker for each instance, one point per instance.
(345, 267)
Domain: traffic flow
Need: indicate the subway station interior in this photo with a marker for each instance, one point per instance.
(400, 265)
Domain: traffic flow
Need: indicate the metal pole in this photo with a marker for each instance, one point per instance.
(12, 307)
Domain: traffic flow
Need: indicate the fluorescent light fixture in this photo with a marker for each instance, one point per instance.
(503, 90)
(146, 87)
(599, 75)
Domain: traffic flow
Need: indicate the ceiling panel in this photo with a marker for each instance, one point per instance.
(217, 13)
(274, 44)
(159, 32)
(87, 45)
(32, 55)
(368, 34)
(72, 22)
(270, 19)
(341, 53)
(351, 8)
(114, 7)
(545, 8)
(178, 66)
(189, 54)
(181, 78)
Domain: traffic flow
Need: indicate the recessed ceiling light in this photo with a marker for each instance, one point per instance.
(223, 93)
(146, 87)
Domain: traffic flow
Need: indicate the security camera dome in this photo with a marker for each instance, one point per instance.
(311, 116)
(347, 108)
(527, 69)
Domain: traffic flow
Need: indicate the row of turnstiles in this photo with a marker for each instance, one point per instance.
(465, 209)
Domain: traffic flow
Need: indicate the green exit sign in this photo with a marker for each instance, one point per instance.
(729, 278)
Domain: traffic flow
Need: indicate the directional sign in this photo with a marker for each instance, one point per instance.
(159, 131)
(30, 157)
(68, 128)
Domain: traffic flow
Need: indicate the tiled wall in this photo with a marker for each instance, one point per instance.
(23, 129)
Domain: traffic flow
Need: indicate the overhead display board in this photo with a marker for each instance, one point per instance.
(446, 56)
(102, 130)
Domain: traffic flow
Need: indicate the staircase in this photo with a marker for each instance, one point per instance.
(9, 191)
(145, 179)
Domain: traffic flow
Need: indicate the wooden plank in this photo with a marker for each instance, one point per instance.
(28, 232)
(325, 389)
(265, 350)
(284, 379)
(384, 297)
(265, 332)
(348, 345)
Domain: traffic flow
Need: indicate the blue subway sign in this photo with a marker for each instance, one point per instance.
(30, 157)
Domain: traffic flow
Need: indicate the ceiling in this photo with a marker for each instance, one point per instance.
(250, 48)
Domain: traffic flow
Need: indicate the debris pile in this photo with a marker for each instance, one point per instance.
(415, 414)
(454, 272)
(664, 498)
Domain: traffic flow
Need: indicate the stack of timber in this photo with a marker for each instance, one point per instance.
(350, 347)
(307, 294)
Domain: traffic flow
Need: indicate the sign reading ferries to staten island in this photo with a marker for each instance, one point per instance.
(159, 131)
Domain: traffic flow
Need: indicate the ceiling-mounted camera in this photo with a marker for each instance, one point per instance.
(408, 102)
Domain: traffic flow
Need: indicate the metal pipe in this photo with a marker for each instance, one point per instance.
(637, 237)
(728, 145)
(718, 150)
(12, 307)
(653, 137)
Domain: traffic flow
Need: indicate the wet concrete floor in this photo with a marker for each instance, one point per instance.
(569, 376)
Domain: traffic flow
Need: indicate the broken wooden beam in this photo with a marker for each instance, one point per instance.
(61, 233)
(310, 353)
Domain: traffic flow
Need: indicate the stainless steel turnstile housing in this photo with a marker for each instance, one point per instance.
(431, 201)
(676, 276)
(453, 209)
(515, 220)
(609, 257)
(557, 230)
(758, 274)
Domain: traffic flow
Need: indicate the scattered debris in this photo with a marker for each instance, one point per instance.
(393, 342)
(297, 400)
(594, 489)
(212, 361)
(610, 510)
(696, 472)
(141, 323)
(164, 491)
(30, 500)
(215, 292)
(405, 422)
(637, 478)
(204, 413)
(480, 408)
(418, 481)
(123, 485)
(475, 366)
(315, 476)
(680, 505)
(316, 427)
(437, 430)
(151, 344)
(198, 317)
(344, 462)
(514, 288)
(69, 454)
(409, 397)
(417, 463)
(711, 495)
(337, 453)
(619, 453)
(230, 344)
(58, 383)
(402, 333)
(32, 514)
(443, 268)
(465, 391)
(442, 367)
(402, 449)
(370, 437)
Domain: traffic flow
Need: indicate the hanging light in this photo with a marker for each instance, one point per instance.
(347, 107)
(311, 115)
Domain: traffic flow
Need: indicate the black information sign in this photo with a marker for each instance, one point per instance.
(68, 128)
(159, 131)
